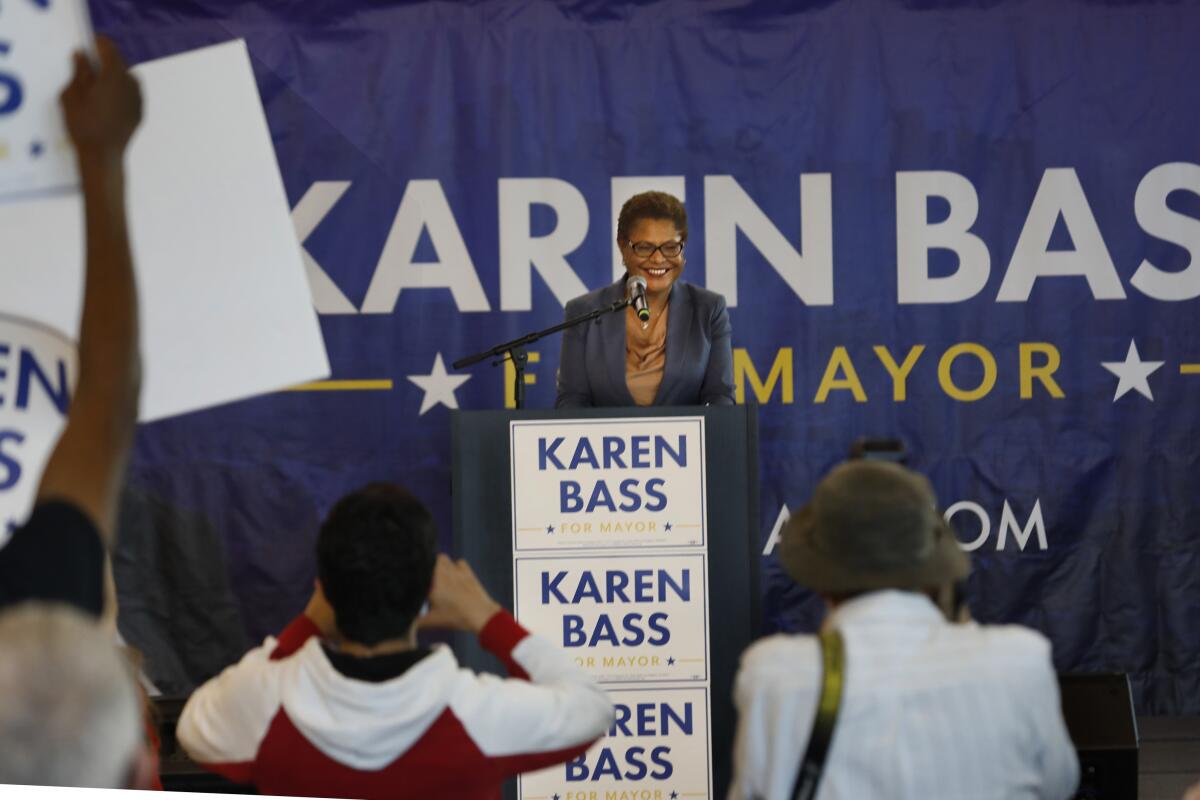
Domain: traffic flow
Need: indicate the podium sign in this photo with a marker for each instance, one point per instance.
(614, 531)
(605, 495)
(624, 483)
(661, 738)
(627, 618)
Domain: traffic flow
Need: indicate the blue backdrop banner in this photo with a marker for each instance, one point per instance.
(971, 225)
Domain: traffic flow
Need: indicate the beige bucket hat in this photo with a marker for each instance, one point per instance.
(871, 525)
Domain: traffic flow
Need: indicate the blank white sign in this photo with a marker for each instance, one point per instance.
(226, 308)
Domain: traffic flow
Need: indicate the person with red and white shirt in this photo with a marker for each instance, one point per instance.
(347, 704)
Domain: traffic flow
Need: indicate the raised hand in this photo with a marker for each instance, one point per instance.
(102, 105)
(457, 600)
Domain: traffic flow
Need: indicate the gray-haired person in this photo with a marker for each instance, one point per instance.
(70, 714)
(929, 708)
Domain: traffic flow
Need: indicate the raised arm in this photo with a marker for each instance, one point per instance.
(551, 714)
(102, 107)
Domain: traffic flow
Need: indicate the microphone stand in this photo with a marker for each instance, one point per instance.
(515, 352)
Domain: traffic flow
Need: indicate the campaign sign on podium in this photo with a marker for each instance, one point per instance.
(657, 748)
(623, 522)
(37, 38)
(624, 618)
(597, 484)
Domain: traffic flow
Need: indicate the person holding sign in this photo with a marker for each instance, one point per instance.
(672, 346)
(70, 714)
(59, 553)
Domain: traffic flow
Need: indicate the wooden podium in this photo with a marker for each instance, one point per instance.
(540, 456)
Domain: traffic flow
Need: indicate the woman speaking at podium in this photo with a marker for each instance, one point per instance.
(680, 355)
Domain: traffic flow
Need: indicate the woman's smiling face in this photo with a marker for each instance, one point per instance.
(659, 270)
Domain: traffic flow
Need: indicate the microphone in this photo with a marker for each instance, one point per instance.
(636, 287)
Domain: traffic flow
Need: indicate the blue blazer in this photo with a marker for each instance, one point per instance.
(699, 362)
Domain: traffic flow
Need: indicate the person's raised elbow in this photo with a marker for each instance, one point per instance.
(189, 730)
(596, 713)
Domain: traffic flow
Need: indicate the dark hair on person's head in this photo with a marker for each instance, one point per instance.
(651, 205)
(375, 557)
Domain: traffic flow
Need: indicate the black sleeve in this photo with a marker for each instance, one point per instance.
(573, 386)
(55, 557)
(718, 387)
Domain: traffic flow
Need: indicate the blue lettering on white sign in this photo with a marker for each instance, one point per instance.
(607, 765)
(650, 719)
(28, 370)
(571, 501)
(605, 632)
(648, 586)
(10, 468)
(643, 720)
(14, 94)
(30, 375)
(644, 452)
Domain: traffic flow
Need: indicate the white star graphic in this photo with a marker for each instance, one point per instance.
(439, 386)
(1132, 372)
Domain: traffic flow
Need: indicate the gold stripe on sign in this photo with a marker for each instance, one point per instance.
(372, 385)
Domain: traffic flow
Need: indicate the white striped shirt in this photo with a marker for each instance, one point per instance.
(929, 710)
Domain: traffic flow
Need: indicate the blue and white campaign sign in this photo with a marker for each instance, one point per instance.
(37, 38)
(656, 749)
(626, 618)
(37, 377)
(583, 484)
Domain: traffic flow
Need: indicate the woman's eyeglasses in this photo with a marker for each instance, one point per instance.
(670, 249)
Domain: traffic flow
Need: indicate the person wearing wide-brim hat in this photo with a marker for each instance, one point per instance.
(872, 525)
(928, 708)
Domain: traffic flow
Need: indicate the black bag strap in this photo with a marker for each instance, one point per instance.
(833, 660)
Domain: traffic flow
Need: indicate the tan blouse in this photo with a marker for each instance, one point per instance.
(645, 355)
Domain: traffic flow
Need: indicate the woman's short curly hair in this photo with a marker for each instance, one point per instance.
(652, 205)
